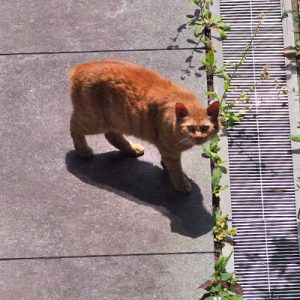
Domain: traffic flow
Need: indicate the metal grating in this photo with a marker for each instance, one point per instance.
(266, 253)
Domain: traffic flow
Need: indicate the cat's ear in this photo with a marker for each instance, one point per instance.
(213, 109)
(181, 111)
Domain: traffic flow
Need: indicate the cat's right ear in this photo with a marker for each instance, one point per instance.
(181, 111)
(213, 109)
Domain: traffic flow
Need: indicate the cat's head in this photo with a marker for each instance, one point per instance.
(197, 125)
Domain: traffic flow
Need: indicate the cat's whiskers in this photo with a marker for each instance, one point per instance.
(184, 140)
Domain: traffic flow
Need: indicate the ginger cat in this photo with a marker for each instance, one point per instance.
(117, 97)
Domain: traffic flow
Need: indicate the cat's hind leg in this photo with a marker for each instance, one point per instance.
(80, 144)
(124, 145)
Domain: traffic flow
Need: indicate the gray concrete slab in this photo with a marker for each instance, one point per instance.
(53, 203)
(34, 26)
(110, 278)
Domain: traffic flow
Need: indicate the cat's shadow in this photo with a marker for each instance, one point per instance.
(140, 181)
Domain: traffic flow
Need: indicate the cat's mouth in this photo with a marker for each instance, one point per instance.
(192, 141)
(200, 140)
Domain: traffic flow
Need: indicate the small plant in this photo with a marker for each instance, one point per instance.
(218, 170)
(203, 23)
(203, 20)
(221, 229)
(222, 284)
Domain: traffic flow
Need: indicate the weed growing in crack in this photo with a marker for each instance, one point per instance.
(222, 284)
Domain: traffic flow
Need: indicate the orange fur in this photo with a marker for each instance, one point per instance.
(118, 97)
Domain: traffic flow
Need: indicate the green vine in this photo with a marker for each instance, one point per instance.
(218, 170)
(222, 284)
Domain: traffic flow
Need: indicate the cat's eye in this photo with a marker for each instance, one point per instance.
(191, 128)
(203, 128)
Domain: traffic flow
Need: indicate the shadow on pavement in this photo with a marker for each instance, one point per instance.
(281, 265)
(146, 184)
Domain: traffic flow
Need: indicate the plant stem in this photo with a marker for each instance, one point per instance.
(242, 60)
(210, 76)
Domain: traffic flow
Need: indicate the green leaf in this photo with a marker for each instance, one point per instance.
(224, 187)
(223, 169)
(204, 62)
(217, 288)
(226, 276)
(236, 117)
(215, 157)
(295, 137)
(191, 22)
(220, 70)
(226, 86)
(197, 2)
(198, 30)
(216, 176)
(215, 140)
(224, 295)
(223, 34)
(218, 214)
(207, 152)
(214, 95)
(226, 76)
(227, 259)
(221, 263)
(215, 19)
(226, 27)
(210, 58)
(206, 13)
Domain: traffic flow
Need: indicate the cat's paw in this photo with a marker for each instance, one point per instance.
(139, 150)
(85, 153)
(184, 187)
(135, 151)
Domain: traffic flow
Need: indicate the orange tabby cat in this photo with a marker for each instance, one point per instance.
(118, 97)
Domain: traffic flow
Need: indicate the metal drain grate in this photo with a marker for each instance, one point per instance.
(262, 187)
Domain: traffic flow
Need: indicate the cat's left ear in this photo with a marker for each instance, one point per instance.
(213, 109)
(181, 111)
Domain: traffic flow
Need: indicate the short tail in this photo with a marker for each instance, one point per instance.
(71, 72)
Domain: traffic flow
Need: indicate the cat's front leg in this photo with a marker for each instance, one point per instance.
(172, 163)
